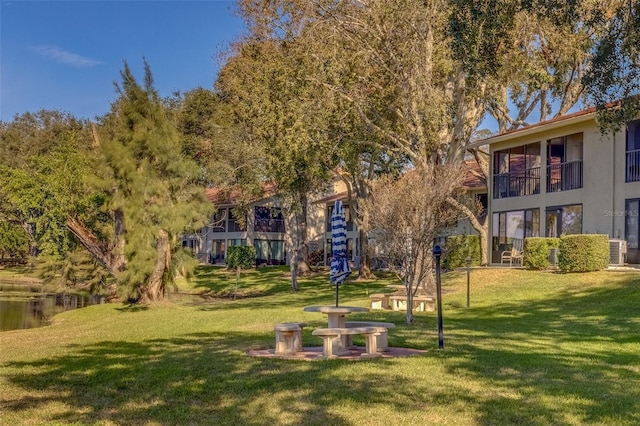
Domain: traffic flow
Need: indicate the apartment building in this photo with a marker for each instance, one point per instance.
(564, 176)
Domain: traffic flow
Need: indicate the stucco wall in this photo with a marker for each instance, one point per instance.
(604, 188)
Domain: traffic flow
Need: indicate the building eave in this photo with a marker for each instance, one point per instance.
(342, 196)
(566, 120)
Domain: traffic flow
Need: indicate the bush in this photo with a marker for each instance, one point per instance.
(243, 257)
(583, 253)
(458, 247)
(536, 252)
(316, 257)
(240, 257)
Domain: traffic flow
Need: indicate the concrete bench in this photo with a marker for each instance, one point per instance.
(420, 303)
(328, 335)
(289, 337)
(398, 303)
(382, 338)
(379, 301)
(424, 303)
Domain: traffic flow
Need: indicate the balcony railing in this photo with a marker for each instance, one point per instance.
(633, 166)
(564, 176)
(269, 225)
(516, 184)
(218, 221)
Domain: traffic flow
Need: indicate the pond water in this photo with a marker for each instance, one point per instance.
(20, 309)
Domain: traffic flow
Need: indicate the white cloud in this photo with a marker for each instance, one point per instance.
(65, 57)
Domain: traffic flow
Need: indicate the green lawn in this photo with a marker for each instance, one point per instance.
(534, 349)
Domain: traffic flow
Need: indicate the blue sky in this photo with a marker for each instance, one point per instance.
(66, 55)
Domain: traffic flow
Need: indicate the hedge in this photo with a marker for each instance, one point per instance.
(536, 252)
(583, 253)
(458, 247)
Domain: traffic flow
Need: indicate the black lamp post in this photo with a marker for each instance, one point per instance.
(437, 253)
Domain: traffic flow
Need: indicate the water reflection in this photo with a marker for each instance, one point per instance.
(19, 310)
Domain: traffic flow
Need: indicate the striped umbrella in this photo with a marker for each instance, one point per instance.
(340, 269)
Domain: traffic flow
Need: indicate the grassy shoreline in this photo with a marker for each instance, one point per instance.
(534, 348)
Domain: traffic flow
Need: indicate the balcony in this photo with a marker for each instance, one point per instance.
(269, 225)
(564, 176)
(516, 184)
(633, 166)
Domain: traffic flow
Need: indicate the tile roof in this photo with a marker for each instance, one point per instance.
(471, 179)
(231, 194)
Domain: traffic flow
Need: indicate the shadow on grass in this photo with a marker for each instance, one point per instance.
(270, 287)
(269, 280)
(581, 347)
(569, 359)
(129, 307)
(198, 379)
(215, 280)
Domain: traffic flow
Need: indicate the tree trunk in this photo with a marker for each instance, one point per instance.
(113, 262)
(483, 233)
(293, 267)
(235, 294)
(119, 231)
(293, 246)
(153, 289)
(408, 287)
(303, 251)
(482, 229)
(28, 229)
(364, 269)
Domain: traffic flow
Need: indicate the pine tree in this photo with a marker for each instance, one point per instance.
(151, 186)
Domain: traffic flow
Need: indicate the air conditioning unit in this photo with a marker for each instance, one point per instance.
(617, 252)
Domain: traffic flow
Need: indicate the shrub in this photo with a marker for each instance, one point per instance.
(583, 253)
(536, 252)
(458, 247)
(242, 257)
(316, 257)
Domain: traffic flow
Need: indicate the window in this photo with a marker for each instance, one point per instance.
(269, 219)
(513, 225)
(190, 243)
(564, 220)
(270, 252)
(233, 225)
(632, 230)
(516, 171)
(218, 221)
(237, 242)
(217, 251)
(564, 163)
(633, 152)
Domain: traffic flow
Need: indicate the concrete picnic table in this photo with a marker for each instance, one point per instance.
(336, 316)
